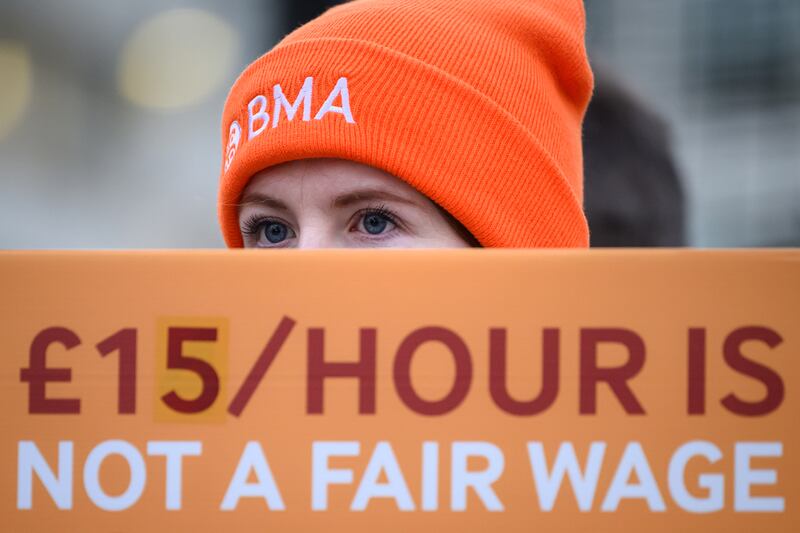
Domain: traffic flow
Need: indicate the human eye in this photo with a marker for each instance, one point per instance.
(375, 221)
(267, 232)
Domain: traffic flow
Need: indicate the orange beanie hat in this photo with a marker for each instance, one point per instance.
(477, 104)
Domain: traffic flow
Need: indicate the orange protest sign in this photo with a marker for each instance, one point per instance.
(362, 390)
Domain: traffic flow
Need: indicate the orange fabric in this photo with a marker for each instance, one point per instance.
(477, 104)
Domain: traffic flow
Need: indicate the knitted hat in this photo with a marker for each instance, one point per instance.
(477, 104)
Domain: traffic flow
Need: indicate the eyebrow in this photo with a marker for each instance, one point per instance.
(343, 200)
(265, 200)
(361, 195)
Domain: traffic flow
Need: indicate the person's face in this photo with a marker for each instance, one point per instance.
(333, 203)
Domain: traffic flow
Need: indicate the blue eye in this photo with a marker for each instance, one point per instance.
(375, 223)
(261, 231)
(276, 232)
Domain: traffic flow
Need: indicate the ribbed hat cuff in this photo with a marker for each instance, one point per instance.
(451, 144)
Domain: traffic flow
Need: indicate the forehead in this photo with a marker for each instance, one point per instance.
(326, 178)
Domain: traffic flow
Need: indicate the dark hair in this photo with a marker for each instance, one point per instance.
(459, 228)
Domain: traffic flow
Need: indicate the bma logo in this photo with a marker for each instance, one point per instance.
(234, 137)
(258, 118)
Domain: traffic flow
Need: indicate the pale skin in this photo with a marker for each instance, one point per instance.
(333, 203)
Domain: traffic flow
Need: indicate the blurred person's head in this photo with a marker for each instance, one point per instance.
(466, 116)
(633, 194)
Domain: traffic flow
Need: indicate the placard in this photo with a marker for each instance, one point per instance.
(356, 391)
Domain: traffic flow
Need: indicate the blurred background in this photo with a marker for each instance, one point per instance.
(109, 119)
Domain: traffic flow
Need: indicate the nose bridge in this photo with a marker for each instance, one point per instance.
(317, 225)
(317, 235)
